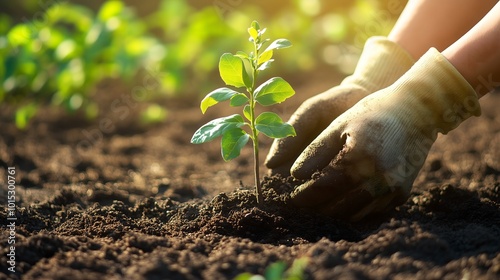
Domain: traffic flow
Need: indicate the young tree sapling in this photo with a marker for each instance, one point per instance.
(241, 71)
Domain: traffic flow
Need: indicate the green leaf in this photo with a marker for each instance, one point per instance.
(246, 112)
(263, 42)
(233, 141)
(296, 271)
(275, 90)
(244, 276)
(242, 55)
(154, 114)
(238, 100)
(255, 25)
(216, 96)
(265, 56)
(265, 65)
(232, 71)
(248, 72)
(19, 35)
(275, 271)
(110, 9)
(253, 33)
(279, 44)
(24, 114)
(216, 128)
(273, 126)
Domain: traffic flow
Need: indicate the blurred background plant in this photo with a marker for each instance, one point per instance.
(57, 52)
(60, 56)
(278, 271)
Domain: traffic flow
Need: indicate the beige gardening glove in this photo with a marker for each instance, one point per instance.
(366, 160)
(381, 63)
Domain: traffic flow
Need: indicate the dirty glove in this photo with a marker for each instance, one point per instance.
(381, 64)
(367, 159)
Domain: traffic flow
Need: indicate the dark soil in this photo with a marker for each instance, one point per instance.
(140, 202)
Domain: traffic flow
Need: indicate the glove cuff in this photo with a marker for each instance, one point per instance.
(381, 63)
(440, 95)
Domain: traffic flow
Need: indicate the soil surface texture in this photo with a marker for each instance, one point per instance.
(115, 199)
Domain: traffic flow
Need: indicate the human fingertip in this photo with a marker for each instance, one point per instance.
(283, 170)
(297, 197)
(302, 170)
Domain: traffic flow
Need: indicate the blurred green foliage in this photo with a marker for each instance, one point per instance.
(59, 55)
(278, 271)
(325, 35)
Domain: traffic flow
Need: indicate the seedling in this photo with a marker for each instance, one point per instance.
(241, 71)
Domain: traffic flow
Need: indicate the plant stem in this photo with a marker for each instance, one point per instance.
(255, 142)
(255, 135)
(258, 188)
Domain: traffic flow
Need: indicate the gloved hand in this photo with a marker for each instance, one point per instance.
(367, 159)
(381, 63)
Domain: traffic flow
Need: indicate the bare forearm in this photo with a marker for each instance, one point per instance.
(436, 23)
(476, 55)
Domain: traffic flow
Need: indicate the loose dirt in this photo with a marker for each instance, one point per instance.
(140, 202)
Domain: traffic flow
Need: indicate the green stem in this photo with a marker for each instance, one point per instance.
(255, 135)
(258, 188)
